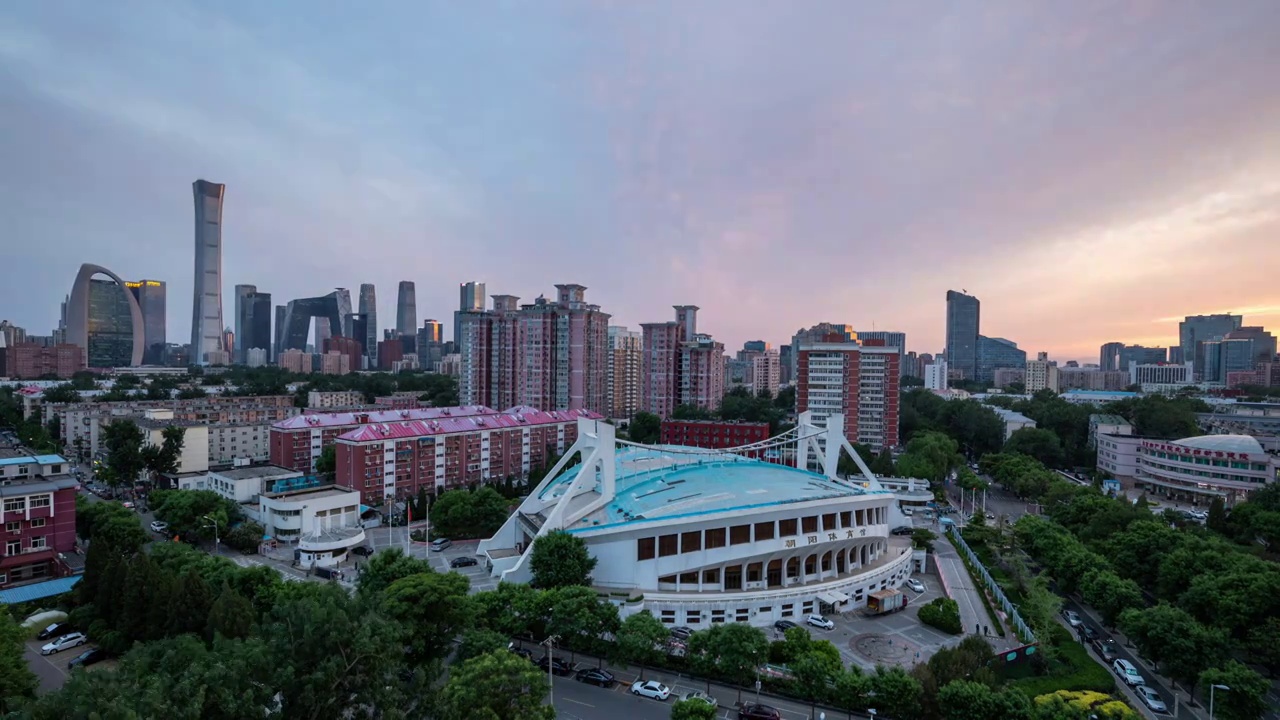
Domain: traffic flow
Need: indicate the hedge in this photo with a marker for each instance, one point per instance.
(943, 614)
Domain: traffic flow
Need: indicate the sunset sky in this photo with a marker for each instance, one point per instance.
(1092, 171)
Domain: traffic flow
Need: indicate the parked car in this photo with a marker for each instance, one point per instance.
(902, 531)
(62, 642)
(159, 527)
(1073, 618)
(440, 544)
(784, 625)
(651, 689)
(557, 666)
(1106, 649)
(464, 561)
(1127, 672)
(55, 630)
(820, 622)
(1151, 699)
(596, 676)
(682, 632)
(363, 551)
(87, 658)
(1089, 633)
(756, 711)
(526, 654)
(699, 696)
(915, 585)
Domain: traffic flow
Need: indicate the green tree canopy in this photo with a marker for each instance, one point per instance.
(1247, 698)
(645, 428)
(386, 567)
(195, 514)
(1038, 443)
(16, 679)
(431, 609)
(495, 686)
(469, 513)
(639, 640)
(560, 559)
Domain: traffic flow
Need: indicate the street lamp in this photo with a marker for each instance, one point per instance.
(217, 541)
(1211, 689)
(550, 642)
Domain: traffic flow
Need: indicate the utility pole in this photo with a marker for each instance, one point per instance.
(550, 642)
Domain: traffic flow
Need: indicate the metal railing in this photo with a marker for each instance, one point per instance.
(997, 592)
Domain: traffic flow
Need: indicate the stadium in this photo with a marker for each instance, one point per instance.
(701, 536)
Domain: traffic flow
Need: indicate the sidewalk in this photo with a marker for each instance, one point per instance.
(959, 586)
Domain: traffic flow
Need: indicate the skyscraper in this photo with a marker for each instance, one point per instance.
(104, 318)
(407, 309)
(243, 319)
(369, 309)
(858, 382)
(152, 298)
(679, 365)
(1197, 329)
(996, 353)
(277, 345)
(470, 298)
(962, 333)
(206, 310)
(1109, 356)
(623, 371)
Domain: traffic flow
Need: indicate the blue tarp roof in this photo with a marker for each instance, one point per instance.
(38, 591)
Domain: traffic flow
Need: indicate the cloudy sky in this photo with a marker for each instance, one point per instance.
(1090, 170)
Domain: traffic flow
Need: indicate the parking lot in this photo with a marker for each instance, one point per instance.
(51, 670)
(477, 574)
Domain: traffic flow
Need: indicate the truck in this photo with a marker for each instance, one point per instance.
(883, 602)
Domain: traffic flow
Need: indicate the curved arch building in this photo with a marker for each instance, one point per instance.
(104, 318)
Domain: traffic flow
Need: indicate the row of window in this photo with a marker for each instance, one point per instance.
(20, 504)
(647, 548)
(14, 547)
(16, 526)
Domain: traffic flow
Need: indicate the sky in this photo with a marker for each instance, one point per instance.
(1092, 171)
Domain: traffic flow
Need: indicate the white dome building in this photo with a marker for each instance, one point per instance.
(1202, 468)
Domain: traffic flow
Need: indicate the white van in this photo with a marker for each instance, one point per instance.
(908, 511)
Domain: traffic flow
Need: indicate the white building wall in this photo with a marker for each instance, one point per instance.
(935, 375)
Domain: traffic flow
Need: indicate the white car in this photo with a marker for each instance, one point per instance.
(699, 696)
(820, 622)
(1151, 698)
(915, 584)
(1073, 618)
(651, 689)
(1128, 672)
(69, 640)
(158, 527)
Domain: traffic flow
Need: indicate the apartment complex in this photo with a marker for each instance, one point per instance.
(397, 459)
(38, 513)
(1077, 378)
(29, 361)
(329, 363)
(680, 366)
(334, 398)
(715, 434)
(858, 382)
(624, 371)
(1042, 374)
(552, 354)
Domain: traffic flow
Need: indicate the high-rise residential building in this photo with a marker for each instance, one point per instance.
(702, 373)
(786, 365)
(104, 318)
(11, 334)
(206, 311)
(1109, 356)
(488, 354)
(1042, 374)
(624, 371)
(935, 375)
(890, 339)
(470, 299)
(822, 332)
(766, 373)
(680, 366)
(407, 309)
(343, 345)
(1264, 343)
(963, 323)
(1197, 329)
(859, 382)
(369, 308)
(29, 361)
(563, 352)
(995, 353)
(152, 299)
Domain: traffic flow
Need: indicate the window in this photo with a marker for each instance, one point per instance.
(15, 505)
(846, 519)
(691, 541)
(733, 578)
(13, 547)
(787, 528)
(753, 571)
(13, 527)
(717, 616)
(689, 578)
(829, 521)
(37, 522)
(743, 615)
(788, 611)
(645, 549)
(711, 576)
(669, 617)
(3, 578)
(810, 524)
(692, 617)
(37, 543)
(714, 538)
(764, 531)
(668, 545)
(739, 534)
(669, 580)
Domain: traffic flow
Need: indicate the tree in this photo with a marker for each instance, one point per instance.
(469, 514)
(1263, 645)
(578, 616)
(968, 700)
(639, 640)
(645, 428)
(560, 559)
(231, 615)
(478, 641)
(1217, 520)
(1110, 594)
(245, 537)
(123, 442)
(327, 463)
(1038, 443)
(814, 673)
(943, 614)
(431, 609)
(196, 514)
(691, 412)
(16, 679)
(852, 690)
(922, 539)
(737, 649)
(495, 686)
(1174, 640)
(897, 694)
(386, 567)
(930, 456)
(1081, 705)
(1247, 698)
(192, 601)
(693, 710)
(510, 609)
(165, 457)
(975, 427)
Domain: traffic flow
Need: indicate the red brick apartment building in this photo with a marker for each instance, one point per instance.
(37, 516)
(29, 361)
(859, 382)
(713, 434)
(397, 458)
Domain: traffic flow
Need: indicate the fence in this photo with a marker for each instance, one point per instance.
(1019, 625)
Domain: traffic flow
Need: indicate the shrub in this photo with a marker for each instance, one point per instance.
(943, 614)
(1073, 669)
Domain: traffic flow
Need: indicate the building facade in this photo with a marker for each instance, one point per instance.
(397, 459)
(38, 513)
(963, 323)
(890, 339)
(206, 305)
(858, 383)
(1042, 374)
(997, 353)
(715, 434)
(625, 358)
(936, 375)
(406, 308)
(368, 307)
(1161, 374)
(679, 365)
(471, 298)
(29, 361)
(1078, 378)
(104, 318)
(1195, 330)
(152, 298)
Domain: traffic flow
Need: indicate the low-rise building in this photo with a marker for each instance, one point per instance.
(1100, 424)
(1004, 377)
(1095, 397)
(1118, 455)
(244, 484)
(1013, 421)
(37, 515)
(334, 398)
(28, 360)
(714, 434)
(323, 522)
(1195, 469)
(194, 457)
(1162, 374)
(398, 401)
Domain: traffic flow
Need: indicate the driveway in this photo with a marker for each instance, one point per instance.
(51, 670)
(895, 639)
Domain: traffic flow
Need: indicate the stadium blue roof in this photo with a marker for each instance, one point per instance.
(38, 591)
(664, 483)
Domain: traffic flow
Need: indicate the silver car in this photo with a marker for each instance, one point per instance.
(1151, 699)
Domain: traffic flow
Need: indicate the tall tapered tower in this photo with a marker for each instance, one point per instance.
(369, 308)
(206, 307)
(407, 309)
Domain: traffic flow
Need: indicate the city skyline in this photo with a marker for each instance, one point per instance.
(1064, 177)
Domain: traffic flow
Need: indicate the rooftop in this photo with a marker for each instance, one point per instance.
(322, 492)
(24, 459)
(1010, 415)
(1224, 443)
(344, 419)
(1105, 393)
(514, 418)
(256, 471)
(1101, 419)
(673, 482)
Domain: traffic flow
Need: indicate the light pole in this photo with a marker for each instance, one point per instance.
(1211, 689)
(550, 642)
(217, 541)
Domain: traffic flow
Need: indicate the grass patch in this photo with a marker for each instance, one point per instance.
(1073, 670)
